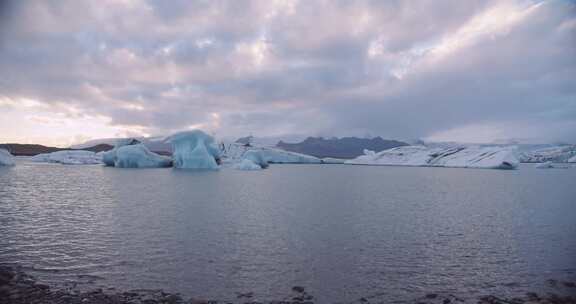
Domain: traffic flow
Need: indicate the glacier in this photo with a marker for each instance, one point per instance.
(69, 157)
(6, 159)
(138, 156)
(194, 150)
(454, 156)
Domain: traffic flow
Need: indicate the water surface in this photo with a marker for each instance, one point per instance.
(343, 232)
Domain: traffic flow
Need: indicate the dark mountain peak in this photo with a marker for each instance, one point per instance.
(345, 147)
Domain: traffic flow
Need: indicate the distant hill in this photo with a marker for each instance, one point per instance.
(345, 147)
(29, 149)
(98, 148)
(32, 149)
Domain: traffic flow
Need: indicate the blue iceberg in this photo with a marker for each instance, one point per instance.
(194, 150)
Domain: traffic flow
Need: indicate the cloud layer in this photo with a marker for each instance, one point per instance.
(442, 70)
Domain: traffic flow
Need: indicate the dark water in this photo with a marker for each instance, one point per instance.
(343, 232)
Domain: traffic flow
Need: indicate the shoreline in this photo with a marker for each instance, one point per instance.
(18, 287)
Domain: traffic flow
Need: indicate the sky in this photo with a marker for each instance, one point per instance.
(438, 70)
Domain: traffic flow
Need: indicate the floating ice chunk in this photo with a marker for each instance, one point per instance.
(546, 165)
(251, 160)
(194, 150)
(69, 157)
(256, 157)
(331, 160)
(6, 159)
(456, 156)
(138, 156)
(277, 156)
(247, 164)
(555, 154)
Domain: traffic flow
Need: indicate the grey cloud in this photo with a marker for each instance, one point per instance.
(181, 61)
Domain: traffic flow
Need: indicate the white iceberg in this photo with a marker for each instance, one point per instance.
(236, 152)
(277, 156)
(456, 156)
(138, 156)
(556, 154)
(6, 159)
(69, 157)
(194, 150)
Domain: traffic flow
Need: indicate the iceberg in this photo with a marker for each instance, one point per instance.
(194, 150)
(237, 152)
(69, 157)
(556, 154)
(138, 156)
(277, 156)
(331, 160)
(454, 156)
(6, 159)
(247, 165)
(109, 157)
(252, 160)
(546, 165)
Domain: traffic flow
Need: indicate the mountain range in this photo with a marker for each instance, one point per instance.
(345, 147)
(33, 149)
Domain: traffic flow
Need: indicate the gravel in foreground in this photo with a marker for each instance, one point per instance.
(17, 287)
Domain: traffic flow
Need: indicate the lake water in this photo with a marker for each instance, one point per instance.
(342, 232)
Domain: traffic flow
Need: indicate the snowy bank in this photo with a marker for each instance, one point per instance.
(69, 157)
(194, 150)
(6, 159)
(457, 156)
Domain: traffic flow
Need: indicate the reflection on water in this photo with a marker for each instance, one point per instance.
(344, 232)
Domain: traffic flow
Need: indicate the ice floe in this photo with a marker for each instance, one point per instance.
(69, 157)
(236, 152)
(331, 160)
(556, 154)
(546, 165)
(456, 156)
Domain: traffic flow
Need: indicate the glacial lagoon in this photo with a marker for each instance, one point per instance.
(342, 232)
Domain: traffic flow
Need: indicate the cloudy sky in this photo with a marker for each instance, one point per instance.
(471, 71)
